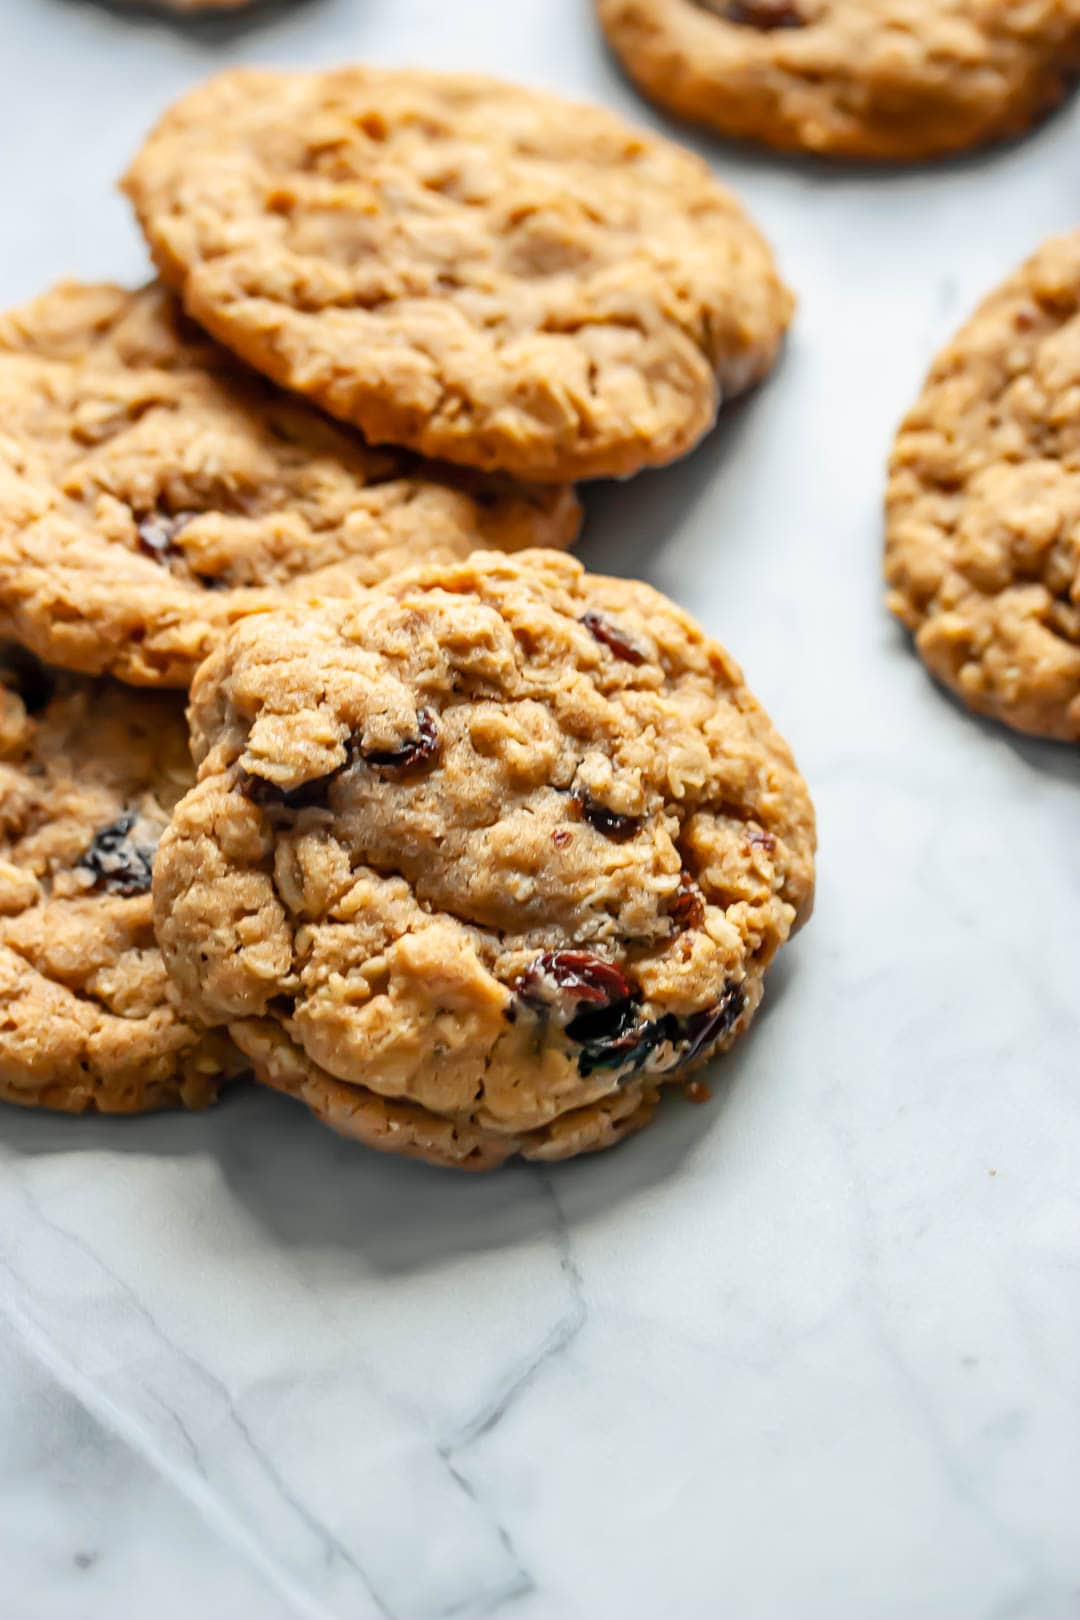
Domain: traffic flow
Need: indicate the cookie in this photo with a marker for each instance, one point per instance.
(478, 863)
(153, 490)
(893, 80)
(481, 272)
(983, 505)
(89, 772)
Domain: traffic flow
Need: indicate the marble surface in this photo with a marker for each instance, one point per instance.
(807, 1354)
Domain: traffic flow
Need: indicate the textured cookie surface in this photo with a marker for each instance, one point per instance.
(474, 865)
(983, 507)
(153, 490)
(881, 79)
(481, 272)
(88, 774)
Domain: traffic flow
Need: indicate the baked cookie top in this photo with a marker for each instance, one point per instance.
(882, 79)
(89, 772)
(501, 841)
(479, 271)
(153, 490)
(983, 505)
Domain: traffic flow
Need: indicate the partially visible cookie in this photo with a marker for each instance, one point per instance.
(983, 507)
(481, 272)
(478, 863)
(153, 490)
(89, 772)
(893, 80)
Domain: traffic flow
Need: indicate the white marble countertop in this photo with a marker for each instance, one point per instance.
(808, 1354)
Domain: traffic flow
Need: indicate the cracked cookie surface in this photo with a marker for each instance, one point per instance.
(479, 271)
(153, 490)
(89, 772)
(983, 505)
(476, 864)
(892, 80)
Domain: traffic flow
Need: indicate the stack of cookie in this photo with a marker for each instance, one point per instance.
(477, 851)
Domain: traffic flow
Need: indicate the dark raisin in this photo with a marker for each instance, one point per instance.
(627, 1047)
(596, 1001)
(27, 676)
(268, 796)
(576, 977)
(701, 1029)
(158, 530)
(599, 1008)
(415, 753)
(630, 1045)
(609, 822)
(119, 863)
(687, 909)
(763, 14)
(615, 1028)
(612, 637)
(561, 837)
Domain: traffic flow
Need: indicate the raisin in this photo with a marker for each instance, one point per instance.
(158, 530)
(596, 1001)
(28, 677)
(599, 1007)
(762, 840)
(625, 1047)
(118, 863)
(576, 977)
(415, 753)
(701, 1029)
(630, 1045)
(763, 14)
(609, 822)
(561, 837)
(613, 1031)
(268, 796)
(687, 909)
(612, 637)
